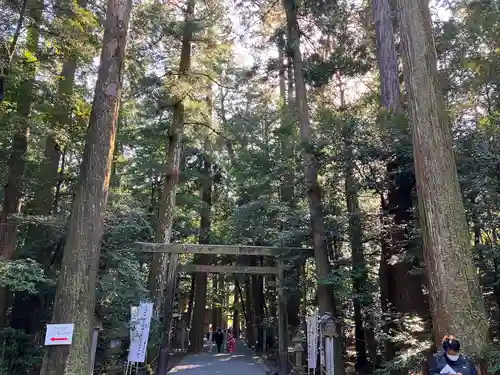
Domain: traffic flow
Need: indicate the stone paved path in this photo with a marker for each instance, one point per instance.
(242, 362)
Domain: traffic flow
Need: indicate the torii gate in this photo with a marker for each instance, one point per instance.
(174, 267)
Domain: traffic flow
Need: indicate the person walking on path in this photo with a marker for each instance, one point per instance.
(231, 343)
(211, 339)
(450, 361)
(219, 339)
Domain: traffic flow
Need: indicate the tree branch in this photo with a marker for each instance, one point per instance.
(209, 127)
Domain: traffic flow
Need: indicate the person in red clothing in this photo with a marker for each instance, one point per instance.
(231, 343)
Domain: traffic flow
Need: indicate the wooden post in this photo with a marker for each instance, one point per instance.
(93, 347)
(173, 266)
(264, 339)
(282, 321)
(299, 350)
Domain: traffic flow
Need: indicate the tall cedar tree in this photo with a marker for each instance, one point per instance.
(325, 291)
(200, 288)
(457, 306)
(157, 281)
(162, 288)
(75, 296)
(405, 296)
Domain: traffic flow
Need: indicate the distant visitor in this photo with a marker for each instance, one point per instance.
(231, 342)
(219, 339)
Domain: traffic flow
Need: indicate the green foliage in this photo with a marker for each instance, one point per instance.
(350, 63)
(18, 354)
(493, 358)
(411, 361)
(22, 275)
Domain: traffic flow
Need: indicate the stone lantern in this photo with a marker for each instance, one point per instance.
(298, 348)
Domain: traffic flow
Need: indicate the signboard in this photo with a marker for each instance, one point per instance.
(59, 334)
(140, 322)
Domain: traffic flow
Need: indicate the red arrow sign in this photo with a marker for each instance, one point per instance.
(59, 339)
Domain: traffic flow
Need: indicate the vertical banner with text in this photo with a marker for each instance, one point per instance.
(140, 323)
(312, 341)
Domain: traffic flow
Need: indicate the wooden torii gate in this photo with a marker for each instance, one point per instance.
(278, 252)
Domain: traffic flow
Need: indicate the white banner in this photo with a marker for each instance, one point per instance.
(134, 336)
(321, 349)
(329, 358)
(312, 340)
(140, 322)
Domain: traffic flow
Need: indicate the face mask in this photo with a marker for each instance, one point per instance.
(452, 357)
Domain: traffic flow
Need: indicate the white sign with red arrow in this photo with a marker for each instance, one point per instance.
(59, 334)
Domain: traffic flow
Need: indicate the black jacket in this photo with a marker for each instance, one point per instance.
(462, 365)
(219, 338)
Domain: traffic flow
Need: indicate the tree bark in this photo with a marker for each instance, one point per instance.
(325, 291)
(163, 230)
(242, 299)
(250, 315)
(163, 274)
(292, 277)
(287, 146)
(405, 295)
(258, 299)
(43, 200)
(8, 56)
(75, 296)
(359, 268)
(200, 290)
(456, 302)
(385, 282)
(191, 301)
(67, 76)
(215, 293)
(290, 84)
(224, 301)
(310, 163)
(271, 288)
(281, 46)
(60, 180)
(390, 93)
(236, 312)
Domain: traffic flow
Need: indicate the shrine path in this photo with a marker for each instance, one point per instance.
(242, 362)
